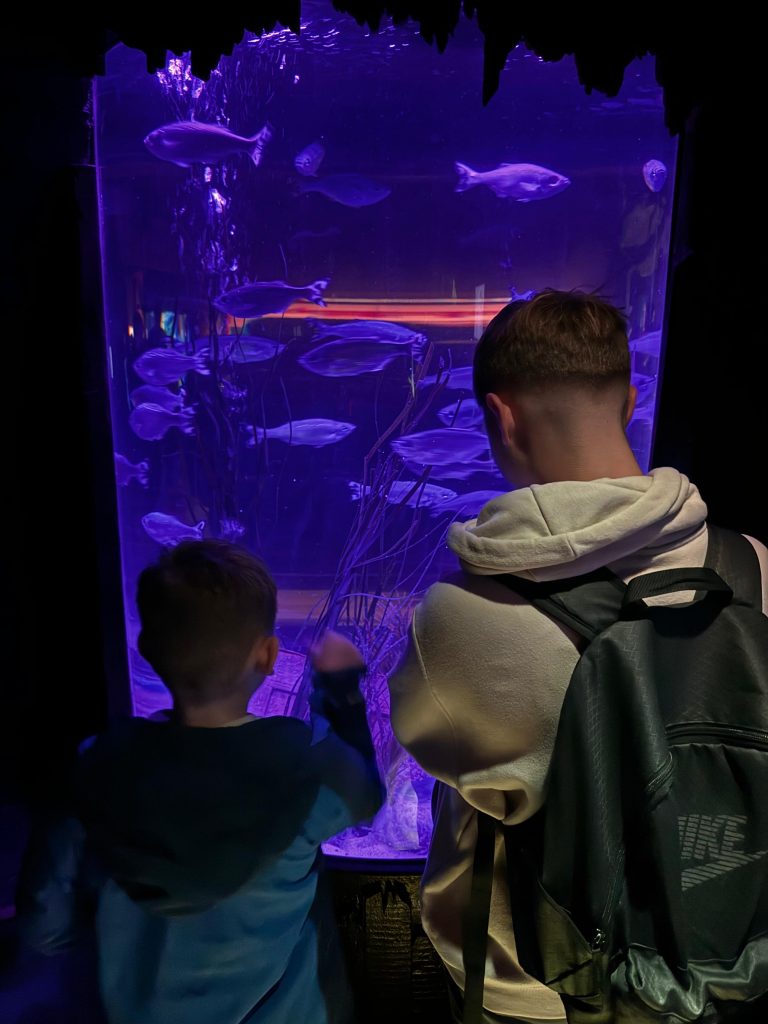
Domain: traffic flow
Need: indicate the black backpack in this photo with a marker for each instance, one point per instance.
(640, 890)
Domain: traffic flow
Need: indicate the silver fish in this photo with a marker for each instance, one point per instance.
(187, 143)
(655, 175)
(125, 471)
(465, 413)
(315, 433)
(459, 470)
(165, 365)
(456, 378)
(170, 531)
(441, 447)
(347, 189)
(309, 159)
(408, 492)
(152, 422)
(523, 182)
(150, 394)
(471, 502)
(262, 297)
(249, 348)
(367, 330)
(351, 358)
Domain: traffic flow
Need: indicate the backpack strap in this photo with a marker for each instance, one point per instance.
(476, 917)
(587, 604)
(733, 558)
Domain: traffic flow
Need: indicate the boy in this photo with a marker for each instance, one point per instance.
(478, 695)
(198, 836)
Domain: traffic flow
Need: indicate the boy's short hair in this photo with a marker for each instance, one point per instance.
(202, 606)
(554, 338)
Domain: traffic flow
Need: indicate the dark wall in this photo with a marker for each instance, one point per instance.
(53, 685)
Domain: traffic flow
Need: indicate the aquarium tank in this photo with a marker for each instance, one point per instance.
(299, 255)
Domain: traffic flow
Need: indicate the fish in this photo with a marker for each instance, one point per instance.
(314, 433)
(367, 330)
(459, 470)
(186, 143)
(351, 358)
(165, 365)
(516, 296)
(473, 501)
(456, 378)
(441, 447)
(249, 348)
(465, 413)
(523, 182)
(408, 492)
(309, 159)
(152, 422)
(347, 189)
(149, 394)
(655, 175)
(262, 297)
(170, 531)
(125, 471)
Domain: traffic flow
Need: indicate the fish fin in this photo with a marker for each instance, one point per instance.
(529, 186)
(200, 527)
(316, 290)
(467, 177)
(522, 200)
(498, 190)
(356, 490)
(200, 366)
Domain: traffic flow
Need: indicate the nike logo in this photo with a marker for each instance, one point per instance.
(716, 842)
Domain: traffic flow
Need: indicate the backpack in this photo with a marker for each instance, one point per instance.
(640, 890)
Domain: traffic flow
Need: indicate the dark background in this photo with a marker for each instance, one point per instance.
(60, 549)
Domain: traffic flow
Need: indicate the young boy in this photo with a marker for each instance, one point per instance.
(198, 836)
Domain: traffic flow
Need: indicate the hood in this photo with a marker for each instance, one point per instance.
(181, 818)
(569, 528)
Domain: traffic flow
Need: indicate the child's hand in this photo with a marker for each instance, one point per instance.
(334, 653)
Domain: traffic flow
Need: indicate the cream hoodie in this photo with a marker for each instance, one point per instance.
(477, 697)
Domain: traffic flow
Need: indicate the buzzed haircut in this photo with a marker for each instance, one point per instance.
(557, 337)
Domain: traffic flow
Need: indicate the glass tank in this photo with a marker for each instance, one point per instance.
(299, 256)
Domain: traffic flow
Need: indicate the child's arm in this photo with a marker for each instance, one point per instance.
(338, 666)
(50, 900)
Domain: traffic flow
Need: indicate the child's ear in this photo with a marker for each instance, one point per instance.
(273, 647)
(265, 655)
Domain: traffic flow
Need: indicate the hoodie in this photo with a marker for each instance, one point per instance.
(477, 697)
(200, 849)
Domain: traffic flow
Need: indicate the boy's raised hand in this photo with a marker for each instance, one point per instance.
(335, 653)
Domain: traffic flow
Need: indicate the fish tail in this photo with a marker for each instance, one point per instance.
(316, 291)
(199, 528)
(356, 490)
(201, 366)
(467, 177)
(258, 142)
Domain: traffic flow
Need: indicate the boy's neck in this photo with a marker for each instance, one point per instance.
(211, 716)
